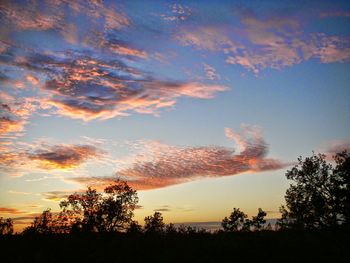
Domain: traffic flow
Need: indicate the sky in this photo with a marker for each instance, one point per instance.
(201, 106)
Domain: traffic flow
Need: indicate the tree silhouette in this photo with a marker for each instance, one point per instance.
(238, 221)
(94, 212)
(235, 222)
(6, 226)
(42, 224)
(319, 196)
(170, 229)
(342, 170)
(134, 228)
(154, 224)
(259, 221)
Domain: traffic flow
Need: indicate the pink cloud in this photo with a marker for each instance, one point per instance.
(336, 146)
(210, 72)
(207, 38)
(160, 165)
(177, 12)
(258, 43)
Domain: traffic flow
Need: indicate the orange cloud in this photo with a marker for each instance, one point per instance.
(8, 125)
(14, 114)
(127, 51)
(160, 165)
(10, 211)
(63, 156)
(32, 79)
(57, 196)
(18, 159)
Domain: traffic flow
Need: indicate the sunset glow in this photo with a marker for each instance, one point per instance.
(201, 106)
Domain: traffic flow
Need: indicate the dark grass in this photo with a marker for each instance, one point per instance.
(266, 246)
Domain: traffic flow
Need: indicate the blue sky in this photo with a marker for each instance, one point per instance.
(199, 105)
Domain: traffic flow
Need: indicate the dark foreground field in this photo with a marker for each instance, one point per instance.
(324, 246)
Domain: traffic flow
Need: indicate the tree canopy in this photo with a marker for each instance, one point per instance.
(6, 226)
(110, 211)
(319, 195)
(238, 221)
(154, 224)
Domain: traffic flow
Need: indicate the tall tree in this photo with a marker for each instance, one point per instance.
(319, 195)
(94, 212)
(342, 170)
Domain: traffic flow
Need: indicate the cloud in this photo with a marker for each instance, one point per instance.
(10, 211)
(160, 165)
(102, 79)
(207, 38)
(126, 51)
(274, 41)
(18, 192)
(63, 156)
(18, 159)
(52, 14)
(177, 12)
(14, 115)
(162, 210)
(331, 49)
(27, 17)
(335, 14)
(210, 72)
(57, 196)
(81, 86)
(336, 146)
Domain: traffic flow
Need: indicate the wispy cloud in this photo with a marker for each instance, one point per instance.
(56, 196)
(257, 43)
(32, 15)
(18, 192)
(81, 86)
(10, 211)
(210, 72)
(160, 165)
(333, 147)
(335, 13)
(177, 12)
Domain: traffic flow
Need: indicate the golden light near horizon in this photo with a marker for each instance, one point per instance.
(200, 106)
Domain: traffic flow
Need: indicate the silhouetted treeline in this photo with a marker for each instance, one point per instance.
(318, 198)
(93, 226)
